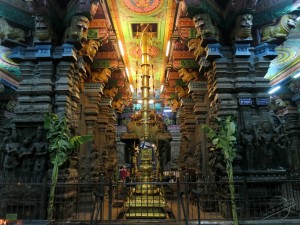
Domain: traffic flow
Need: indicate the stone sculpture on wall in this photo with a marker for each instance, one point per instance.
(243, 26)
(205, 28)
(9, 32)
(280, 30)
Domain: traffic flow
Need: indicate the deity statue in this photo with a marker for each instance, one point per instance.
(25, 154)
(39, 148)
(247, 141)
(11, 160)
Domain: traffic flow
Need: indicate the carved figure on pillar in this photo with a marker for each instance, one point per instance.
(243, 26)
(187, 76)
(118, 105)
(174, 105)
(39, 148)
(101, 76)
(247, 141)
(181, 91)
(25, 155)
(205, 28)
(9, 32)
(11, 160)
(90, 49)
(110, 92)
(194, 45)
(78, 28)
(280, 30)
(42, 29)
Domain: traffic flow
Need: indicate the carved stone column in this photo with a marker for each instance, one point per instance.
(103, 121)
(198, 90)
(174, 130)
(36, 87)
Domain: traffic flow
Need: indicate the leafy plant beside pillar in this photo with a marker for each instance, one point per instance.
(223, 137)
(61, 146)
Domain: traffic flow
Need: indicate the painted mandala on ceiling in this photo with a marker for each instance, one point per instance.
(142, 6)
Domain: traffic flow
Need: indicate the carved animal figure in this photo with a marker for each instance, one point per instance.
(181, 91)
(9, 32)
(43, 29)
(187, 76)
(111, 92)
(280, 30)
(117, 105)
(102, 76)
(90, 48)
(205, 27)
(243, 26)
(195, 46)
(78, 28)
(174, 105)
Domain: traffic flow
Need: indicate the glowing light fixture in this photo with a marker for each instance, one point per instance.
(127, 72)
(168, 48)
(297, 75)
(161, 88)
(274, 89)
(140, 101)
(121, 47)
(131, 88)
(151, 101)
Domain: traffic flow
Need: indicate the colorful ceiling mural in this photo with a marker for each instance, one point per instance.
(287, 63)
(10, 73)
(127, 16)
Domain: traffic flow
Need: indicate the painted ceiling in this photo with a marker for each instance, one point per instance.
(127, 16)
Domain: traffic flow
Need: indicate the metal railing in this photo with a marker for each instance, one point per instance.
(257, 198)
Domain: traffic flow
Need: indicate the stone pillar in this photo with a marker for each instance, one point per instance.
(103, 121)
(121, 153)
(174, 130)
(198, 90)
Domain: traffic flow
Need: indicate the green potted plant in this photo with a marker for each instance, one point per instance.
(224, 137)
(61, 146)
